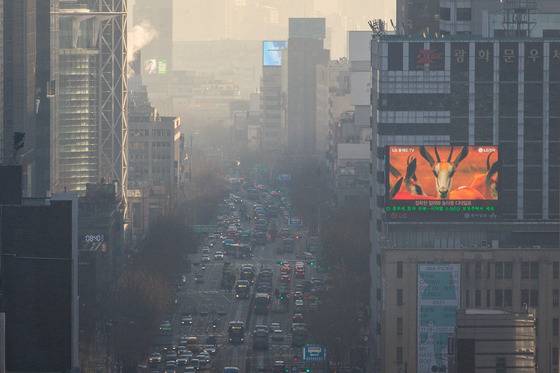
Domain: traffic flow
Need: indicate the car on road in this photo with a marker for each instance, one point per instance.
(263, 328)
(210, 349)
(204, 357)
(205, 258)
(286, 268)
(198, 278)
(285, 278)
(189, 370)
(298, 318)
(274, 326)
(183, 340)
(170, 355)
(170, 364)
(182, 360)
(277, 335)
(186, 320)
(298, 295)
(164, 325)
(154, 358)
(212, 340)
(218, 255)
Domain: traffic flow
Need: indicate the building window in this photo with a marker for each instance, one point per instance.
(463, 14)
(498, 298)
(478, 270)
(399, 355)
(399, 326)
(399, 297)
(477, 298)
(524, 298)
(525, 270)
(487, 298)
(555, 270)
(555, 356)
(467, 272)
(555, 327)
(399, 269)
(508, 298)
(488, 266)
(501, 365)
(554, 298)
(534, 298)
(499, 269)
(508, 269)
(445, 14)
(467, 298)
(534, 269)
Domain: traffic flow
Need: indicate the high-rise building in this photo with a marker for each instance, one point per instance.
(39, 276)
(305, 52)
(465, 155)
(2, 79)
(89, 140)
(19, 63)
(271, 95)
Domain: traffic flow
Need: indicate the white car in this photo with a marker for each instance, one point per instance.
(274, 326)
(210, 349)
(277, 335)
(219, 255)
(205, 258)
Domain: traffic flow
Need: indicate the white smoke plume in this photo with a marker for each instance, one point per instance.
(140, 35)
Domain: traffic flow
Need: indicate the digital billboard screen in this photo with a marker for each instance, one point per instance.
(155, 67)
(272, 52)
(442, 183)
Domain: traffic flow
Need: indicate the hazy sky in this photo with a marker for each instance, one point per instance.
(195, 20)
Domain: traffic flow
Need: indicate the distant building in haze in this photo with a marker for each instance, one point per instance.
(305, 52)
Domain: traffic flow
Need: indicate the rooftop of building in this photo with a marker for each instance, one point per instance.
(444, 37)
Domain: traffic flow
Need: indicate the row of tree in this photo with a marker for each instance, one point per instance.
(144, 295)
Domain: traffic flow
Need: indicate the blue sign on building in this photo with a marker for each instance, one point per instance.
(314, 353)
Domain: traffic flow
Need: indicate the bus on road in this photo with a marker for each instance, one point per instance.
(299, 334)
(242, 289)
(236, 332)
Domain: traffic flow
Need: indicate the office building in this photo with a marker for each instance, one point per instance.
(19, 27)
(423, 288)
(89, 139)
(272, 100)
(155, 164)
(305, 52)
(39, 278)
(485, 107)
(2, 130)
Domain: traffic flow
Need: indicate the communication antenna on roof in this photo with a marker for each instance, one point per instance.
(378, 27)
(517, 17)
(393, 25)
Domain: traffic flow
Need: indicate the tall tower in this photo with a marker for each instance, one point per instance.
(89, 141)
(305, 52)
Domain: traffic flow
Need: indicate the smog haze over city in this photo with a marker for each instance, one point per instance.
(276, 186)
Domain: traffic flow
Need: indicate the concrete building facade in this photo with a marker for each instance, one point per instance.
(493, 340)
(464, 91)
(488, 279)
(305, 52)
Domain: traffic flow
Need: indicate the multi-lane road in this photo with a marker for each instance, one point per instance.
(208, 303)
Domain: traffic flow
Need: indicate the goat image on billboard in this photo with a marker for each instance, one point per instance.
(442, 181)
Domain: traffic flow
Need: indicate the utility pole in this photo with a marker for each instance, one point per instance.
(191, 157)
